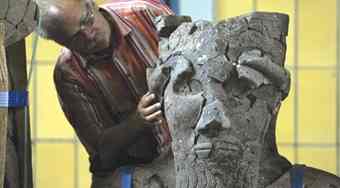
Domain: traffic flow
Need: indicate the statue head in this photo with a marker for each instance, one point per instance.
(221, 87)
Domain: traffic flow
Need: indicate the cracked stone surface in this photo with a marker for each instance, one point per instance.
(19, 19)
(221, 86)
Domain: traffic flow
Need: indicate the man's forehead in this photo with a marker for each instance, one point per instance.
(61, 20)
(71, 15)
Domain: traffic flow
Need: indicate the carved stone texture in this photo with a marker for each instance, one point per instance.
(19, 18)
(221, 86)
(158, 174)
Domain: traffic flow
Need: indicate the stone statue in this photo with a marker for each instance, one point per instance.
(221, 86)
(19, 18)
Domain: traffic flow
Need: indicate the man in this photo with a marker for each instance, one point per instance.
(101, 83)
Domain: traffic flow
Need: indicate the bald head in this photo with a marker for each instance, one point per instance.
(76, 24)
(59, 18)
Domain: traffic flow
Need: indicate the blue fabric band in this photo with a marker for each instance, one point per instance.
(296, 176)
(126, 176)
(13, 98)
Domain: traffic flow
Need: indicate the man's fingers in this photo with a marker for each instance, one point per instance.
(148, 109)
(154, 116)
(147, 99)
(151, 109)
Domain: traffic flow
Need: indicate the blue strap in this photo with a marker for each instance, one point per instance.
(296, 176)
(13, 98)
(126, 176)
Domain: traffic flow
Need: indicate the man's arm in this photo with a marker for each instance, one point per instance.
(106, 145)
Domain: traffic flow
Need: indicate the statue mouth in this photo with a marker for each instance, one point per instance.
(222, 148)
(228, 149)
(202, 150)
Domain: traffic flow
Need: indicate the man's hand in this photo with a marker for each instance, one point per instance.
(149, 109)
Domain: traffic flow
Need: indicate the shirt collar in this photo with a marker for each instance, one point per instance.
(120, 23)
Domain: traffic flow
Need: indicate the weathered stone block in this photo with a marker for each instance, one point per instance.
(167, 24)
(221, 86)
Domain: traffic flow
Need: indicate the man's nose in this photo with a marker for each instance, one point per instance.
(213, 119)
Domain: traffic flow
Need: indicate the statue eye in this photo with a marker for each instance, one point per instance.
(184, 99)
(183, 77)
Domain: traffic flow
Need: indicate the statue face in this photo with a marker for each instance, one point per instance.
(217, 121)
(211, 114)
(195, 110)
(221, 91)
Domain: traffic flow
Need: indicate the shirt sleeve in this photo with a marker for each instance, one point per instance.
(105, 144)
(79, 109)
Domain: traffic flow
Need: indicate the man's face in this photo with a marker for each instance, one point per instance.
(84, 30)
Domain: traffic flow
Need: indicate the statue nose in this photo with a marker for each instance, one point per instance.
(212, 120)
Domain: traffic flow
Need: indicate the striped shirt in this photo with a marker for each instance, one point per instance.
(100, 91)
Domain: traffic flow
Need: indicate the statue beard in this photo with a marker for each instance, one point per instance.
(231, 172)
